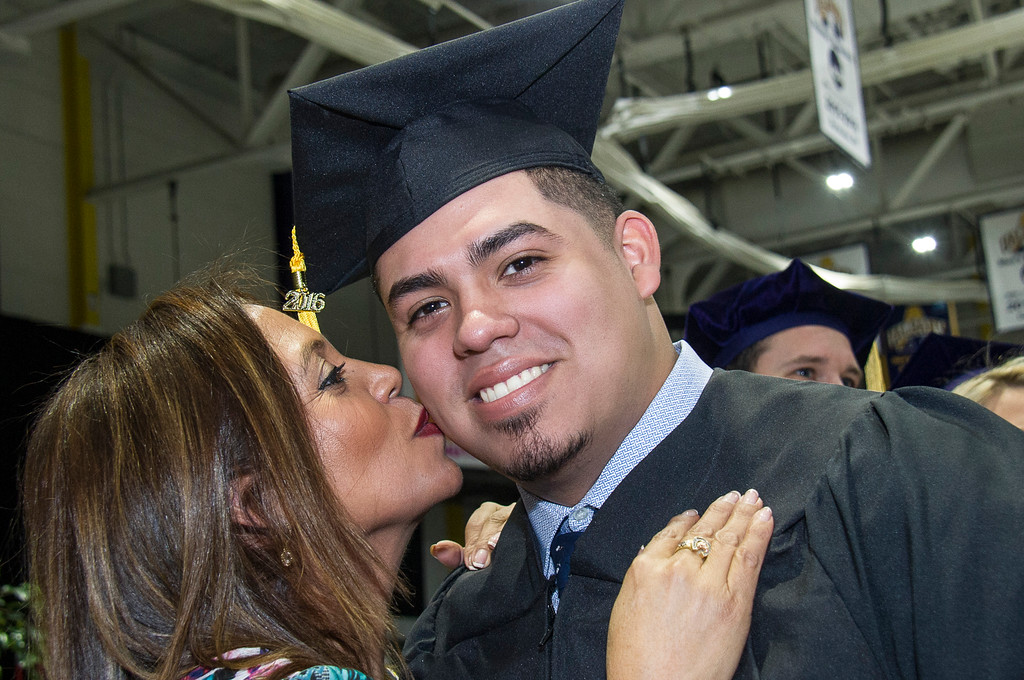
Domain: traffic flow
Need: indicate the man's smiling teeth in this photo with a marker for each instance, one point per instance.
(489, 394)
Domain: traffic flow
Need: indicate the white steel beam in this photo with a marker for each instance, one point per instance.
(803, 120)
(679, 138)
(317, 22)
(710, 283)
(989, 58)
(759, 136)
(938, 148)
(164, 86)
(276, 112)
(59, 15)
(883, 123)
(710, 27)
(18, 44)
(634, 117)
(322, 24)
(275, 157)
(1005, 194)
(455, 8)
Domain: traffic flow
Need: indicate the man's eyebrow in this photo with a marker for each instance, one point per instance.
(411, 284)
(475, 252)
(487, 246)
(806, 359)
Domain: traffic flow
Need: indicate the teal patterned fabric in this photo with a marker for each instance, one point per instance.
(257, 672)
(328, 673)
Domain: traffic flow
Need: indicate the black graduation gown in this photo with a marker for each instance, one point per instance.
(897, 550)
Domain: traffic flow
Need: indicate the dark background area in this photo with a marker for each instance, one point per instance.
(36, 356)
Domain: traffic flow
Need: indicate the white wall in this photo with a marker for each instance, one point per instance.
(138, 130)
(33, 245)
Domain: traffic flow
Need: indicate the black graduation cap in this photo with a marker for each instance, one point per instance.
(378, 150)
(731, 320)
(947, 360)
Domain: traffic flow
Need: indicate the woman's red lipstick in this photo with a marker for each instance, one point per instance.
(425, 427)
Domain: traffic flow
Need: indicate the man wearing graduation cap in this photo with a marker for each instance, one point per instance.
(790, 324)
(521, 295)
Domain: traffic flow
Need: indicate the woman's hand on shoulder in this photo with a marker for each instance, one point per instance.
(482, 532)
(685, 604)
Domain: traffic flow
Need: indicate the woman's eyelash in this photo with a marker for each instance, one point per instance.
(335, 377)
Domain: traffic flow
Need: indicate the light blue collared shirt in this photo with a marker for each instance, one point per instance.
(670, 406)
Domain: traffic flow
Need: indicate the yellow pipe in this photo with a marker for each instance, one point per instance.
(83, 266)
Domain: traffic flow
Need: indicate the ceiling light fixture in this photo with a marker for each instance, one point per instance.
(840, 181)
(723, 92)
(924, 244)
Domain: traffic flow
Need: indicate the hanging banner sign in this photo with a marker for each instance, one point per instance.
(836, 71)
(1002, 237)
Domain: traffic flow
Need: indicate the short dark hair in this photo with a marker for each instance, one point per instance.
(585, 194)
(747, 358)
(572, 189)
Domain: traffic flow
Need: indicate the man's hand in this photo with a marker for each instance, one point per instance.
(482, 531)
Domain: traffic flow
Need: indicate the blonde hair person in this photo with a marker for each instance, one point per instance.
(999, 389)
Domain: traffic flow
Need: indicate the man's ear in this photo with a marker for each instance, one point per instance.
(637, 240)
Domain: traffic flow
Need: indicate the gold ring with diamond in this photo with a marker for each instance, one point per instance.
(697, 544)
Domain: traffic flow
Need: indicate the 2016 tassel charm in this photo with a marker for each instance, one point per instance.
(299, 299)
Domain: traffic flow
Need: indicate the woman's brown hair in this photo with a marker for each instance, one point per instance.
(164, 481)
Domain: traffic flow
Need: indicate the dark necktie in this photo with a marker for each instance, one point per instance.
(561, 550)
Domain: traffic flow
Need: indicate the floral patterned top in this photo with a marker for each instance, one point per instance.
(314, 673)
(257, 672)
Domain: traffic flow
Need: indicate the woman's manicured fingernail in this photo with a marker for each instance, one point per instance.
(731, 497)
(691, 513)
(493, 542)
(764, 514)
(480, 558)
(750, 496)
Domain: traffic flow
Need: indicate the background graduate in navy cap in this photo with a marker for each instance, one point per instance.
(990, 373)
(790, 324)
(521, 294)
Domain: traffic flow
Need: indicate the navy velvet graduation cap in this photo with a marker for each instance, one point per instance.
(378, 150)
(946, 360)
(729, 321)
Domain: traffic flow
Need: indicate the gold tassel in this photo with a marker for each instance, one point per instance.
(876, 377)
(299, 299)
